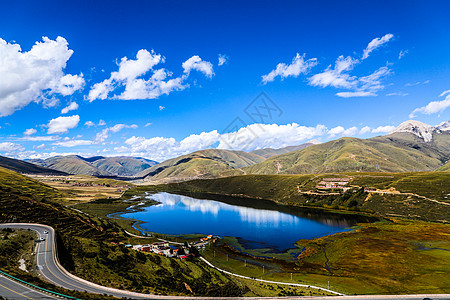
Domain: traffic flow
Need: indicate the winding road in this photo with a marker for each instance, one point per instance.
(50, 270)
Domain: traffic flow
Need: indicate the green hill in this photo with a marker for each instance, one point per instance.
(269, 152)
(97, 165)
(445, 168)
(123, 165)
(350, 154)
(26, 167)
(72, 164)
(201, 164)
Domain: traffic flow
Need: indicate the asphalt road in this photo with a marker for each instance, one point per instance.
(50, 269)
(11, 289)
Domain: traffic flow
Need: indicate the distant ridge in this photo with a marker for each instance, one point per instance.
(24, 167)
(208, 163)
(97, 165)
(270, 152)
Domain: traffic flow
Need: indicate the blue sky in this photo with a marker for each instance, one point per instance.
(143, 78)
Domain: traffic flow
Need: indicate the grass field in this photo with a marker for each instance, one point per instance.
(83, 188)
(401, 257)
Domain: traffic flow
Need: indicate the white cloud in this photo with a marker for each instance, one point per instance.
(402, 53)
(355, 94)
(258, 136)
(101, 123)
(223, 59)
(39, 138)
(337, 77)
(376, 43)
(30, 131)
(417, 83)
(434, 106)
(161, 107)
(365, 130)
(148, 124)
(89, 123)
(41, 146)
(383, 129)
(341, 131)
(251, 137)
(36, 75)
(71, 106)
(10, 147)
(297, 67)
(104, 134)
(196, 63)
(130, 77)
(73, 143)
(63, 124)
(402, 94)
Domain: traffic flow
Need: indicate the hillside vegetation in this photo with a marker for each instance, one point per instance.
(445, 168)
(346, 155)
(269, 152)
(97, 165)
(201, 164)
(24, 167)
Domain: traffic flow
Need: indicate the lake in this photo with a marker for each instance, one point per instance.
(257, 223)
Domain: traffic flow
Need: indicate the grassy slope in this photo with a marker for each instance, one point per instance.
(86, 249)
(445, 168)
(403, 257)
(26, 167)
(201, 164)
(285, 189)
(269, 152)
(123, 166)
(348, 154)
(71, 164)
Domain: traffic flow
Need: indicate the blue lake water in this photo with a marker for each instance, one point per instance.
(258, 227)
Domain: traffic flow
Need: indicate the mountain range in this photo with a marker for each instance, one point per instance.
(412, 146)
(97, 165)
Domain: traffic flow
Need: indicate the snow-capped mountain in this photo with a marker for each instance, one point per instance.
(422, 130)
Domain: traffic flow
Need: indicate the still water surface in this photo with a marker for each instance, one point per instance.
(259, 224)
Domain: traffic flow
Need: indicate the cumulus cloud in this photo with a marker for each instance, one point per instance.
(71, 106)
(297, 67)
(365, 130)
(251, 137)
(30, 131)
(130, 76)
(376, 43)
(35, 75)
(383, 129)
(89, 123)
(341, 131)
(10, 147)
(434, 106)
(73, 143)
(339, 77)
(222, 59)
(63, 124)
(196, 63)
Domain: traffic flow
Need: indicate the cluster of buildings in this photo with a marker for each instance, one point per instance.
(181, 251)
(164, 248)
(334, 183)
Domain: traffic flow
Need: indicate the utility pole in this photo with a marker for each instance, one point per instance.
(263, 269)
(291, 276)
(245, 263)
(328, 284)
(227, 257)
